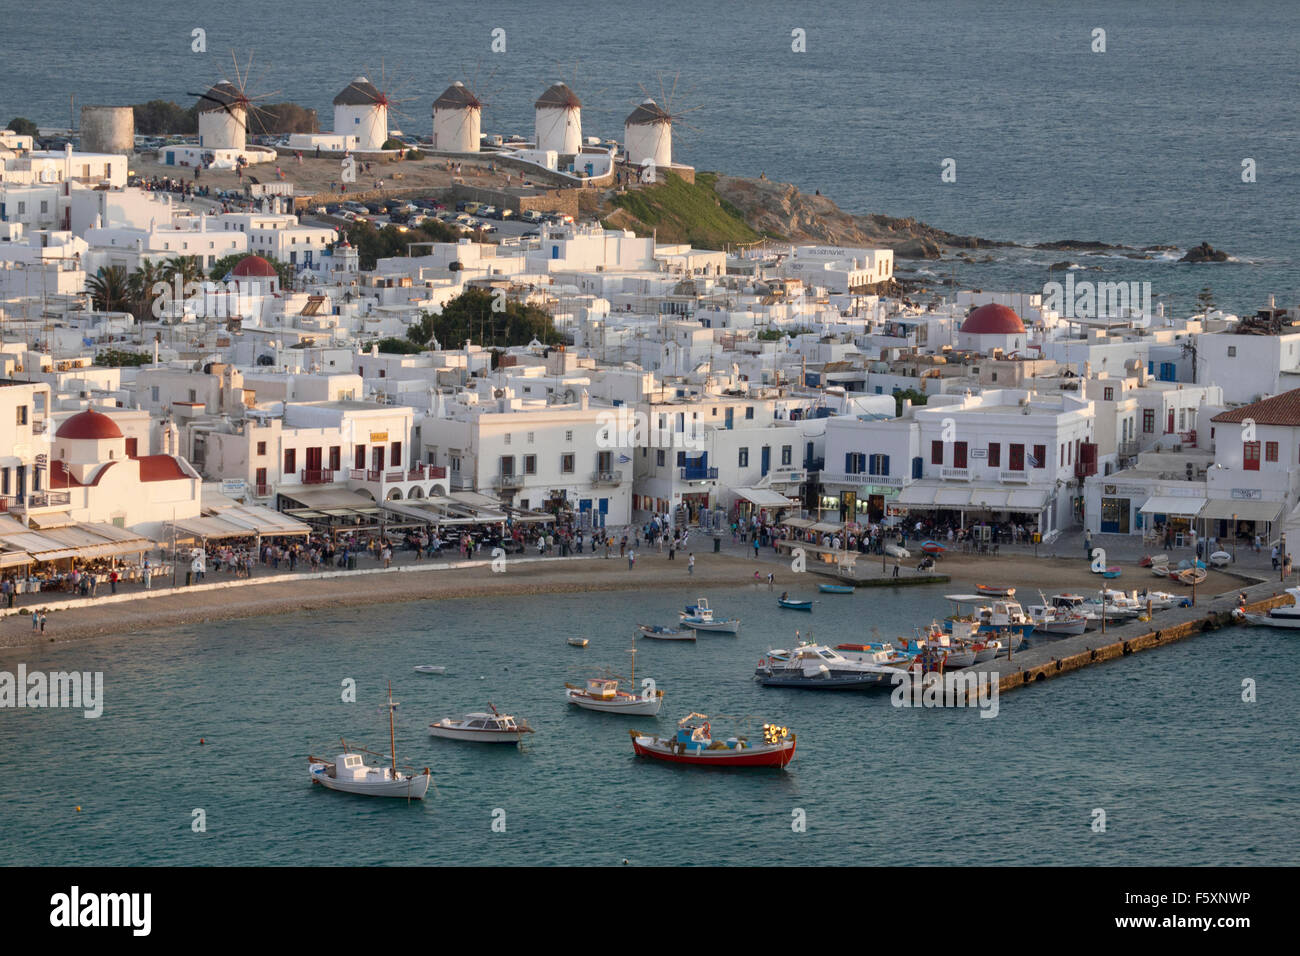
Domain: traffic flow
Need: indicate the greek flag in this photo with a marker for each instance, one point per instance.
(623, 459)
(1035, 462)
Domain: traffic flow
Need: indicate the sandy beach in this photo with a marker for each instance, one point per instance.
(273, 594)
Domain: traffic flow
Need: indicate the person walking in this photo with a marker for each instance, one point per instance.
(42, 622)
(8, 589)
(1275, 557)
(1087, 545)
(631, 560)
(690, 565)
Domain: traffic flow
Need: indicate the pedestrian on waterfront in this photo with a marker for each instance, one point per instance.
(1087, 545)
(896, 567)
(1275, 558)
(42, 622)
(112, 580)
(631, 560)
(8, 588)
(671, 549)
(690, 565)
(36, 619)
(1286, 566)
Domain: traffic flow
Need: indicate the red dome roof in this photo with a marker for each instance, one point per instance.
(89, 424)
(993, 319)
(255, 267)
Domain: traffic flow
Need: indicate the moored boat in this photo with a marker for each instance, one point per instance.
(791, 604)
(603, 694)
(658, 632)
(699, 617)
(349, 773)
(430, 669)
(991, 590)
(836, 588)
(578, 642)
(818, 667)
(1284, 616)
(493, 728)
(694, 745)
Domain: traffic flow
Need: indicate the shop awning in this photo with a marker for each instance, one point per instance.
(763, 497)
(13, 559)
(1245, 510)
(81, 540)
(1027, 499)
(798, 522)
(828, 527)
(1172, 505)
(918, 495)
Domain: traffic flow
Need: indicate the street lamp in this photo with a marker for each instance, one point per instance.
(1234, 539)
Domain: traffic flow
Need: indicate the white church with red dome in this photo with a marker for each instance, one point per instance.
(993, 326)
(106, 481)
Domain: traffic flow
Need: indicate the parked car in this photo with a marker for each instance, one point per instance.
(531, 215)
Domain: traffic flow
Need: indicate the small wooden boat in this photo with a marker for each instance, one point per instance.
(1111, 572)
(1160, 570)
(897, 551)
(792, 605)
(1220, 559)
(836, 588)
(699, 617)
(493, 728)
(933, 547)
(693, 744)
(578, 642)
(1193, 576)
(602, 694)
(658, 632)
(1151, 560)
(989, 590)
(349, 773)
(430, 669)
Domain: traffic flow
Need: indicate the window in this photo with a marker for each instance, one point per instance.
(336, 457)
(681, 459)
(396, 449)
(1108, 394)
(1148, 420)
(530, 437)
(879, 465)
(359, 460)
(566, 463)
(744, 458)
(854, 463)
(261, 448)
(749, 411)
(530, 464)
(507, 465)
(659, 457)
(290, 461)
(259, 478)
(787, 454)
(1250, 455)
(936, 453)
(507, 438)
(568, 436)
(1016, 458)
(1040, 456)
(1232, 351)
(22, 414)
(153, 393)
(1270, 451)
(995, 455)
(605, 462)
(959, 454)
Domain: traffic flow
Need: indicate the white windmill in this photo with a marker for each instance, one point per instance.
(226, 109)
(361, 110)
(558, 122)
(648, 130)
(457, 120)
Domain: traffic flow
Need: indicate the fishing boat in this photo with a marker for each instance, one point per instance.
(1193, 576)
(933, 548)
(1220, 559)
(658, 632)
(1111, 572)
(603, 694)
(998, 619)
(988, 590)
(349, 773)
(878, 652)
(792, 604)
(1160, 570)
(493, 728)
(836, 588)
(1284, 616)
(897, 551)
(951, 651)
(430, 669)
(578, 642)
(694, 745)
(818, 667)
(1050, 619)
(1151, 560)
(699, 617)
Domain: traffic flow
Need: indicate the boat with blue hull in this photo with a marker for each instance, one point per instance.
(836, 588)
(790, 604)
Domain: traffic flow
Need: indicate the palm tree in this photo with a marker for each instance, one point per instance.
(140, 285)
(187, 267)
(108, 289)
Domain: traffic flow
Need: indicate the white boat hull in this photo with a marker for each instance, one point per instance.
(632, 706)
(714, 627)
(410, 788)
(1287, 623)
(477, 736)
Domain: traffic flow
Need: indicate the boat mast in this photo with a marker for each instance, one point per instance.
(392, 736)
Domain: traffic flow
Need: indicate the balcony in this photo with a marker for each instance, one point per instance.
(508, 481)
(1017, 476)
(699, 474)
(860, 478)
(960, 474)
(261, 491)
(1128, 449)
(606, 477)
(45, 499)
(423, 472)
(316, 476)
(1082, 469)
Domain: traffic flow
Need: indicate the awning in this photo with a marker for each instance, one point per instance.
(828, 527)
(918, 495)
(80, 540)
(51, 519)
(798, 522)
(1171, 505)
(323, 499)
(763, 497)
(1245, 510)
(1027, 499)
(12, 559)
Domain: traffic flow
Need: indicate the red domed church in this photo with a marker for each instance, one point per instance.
(992, 326)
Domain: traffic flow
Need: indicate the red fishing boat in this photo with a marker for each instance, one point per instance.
(989, 590)
(693, 744)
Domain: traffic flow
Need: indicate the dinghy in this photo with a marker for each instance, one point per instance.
(430, 669)
(793, 605)
(349, 773)
(836, 588)
(1220, 559)
(658, 632)
(578, 642)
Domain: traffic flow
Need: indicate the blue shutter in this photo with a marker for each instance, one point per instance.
(848, 463)
(917, 465)
(885, 466)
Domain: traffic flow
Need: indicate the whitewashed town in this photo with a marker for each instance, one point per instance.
(198, 378)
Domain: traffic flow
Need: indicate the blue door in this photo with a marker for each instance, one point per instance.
(731, 412)
(767, 459)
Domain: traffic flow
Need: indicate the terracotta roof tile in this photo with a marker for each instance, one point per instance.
(1281, 409)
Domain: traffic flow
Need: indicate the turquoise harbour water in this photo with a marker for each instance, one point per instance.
(1140, 145)
(1186, 772)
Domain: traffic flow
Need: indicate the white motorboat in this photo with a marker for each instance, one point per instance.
(1054, 620)
(349, 773)
(819, 667)
(430, 669)
(897, 551)
(1220, 559)
(1284, 616)
(493, 728)
(578, 642)
(699, 617)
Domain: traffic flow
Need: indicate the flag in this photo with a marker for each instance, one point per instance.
(1035, 462)
(623, 459)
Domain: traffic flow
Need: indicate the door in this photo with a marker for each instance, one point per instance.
(377, 458)
(766, 459)
(731, 417)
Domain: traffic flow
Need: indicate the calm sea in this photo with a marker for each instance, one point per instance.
(1186, 772)
(1142, 144)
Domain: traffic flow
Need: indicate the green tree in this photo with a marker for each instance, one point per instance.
(395, 346)
(140, 287)
(484, 318)
(1205, 301)
(23, 126)
(373, 244)
(108, 289)
(186, 268)
(117, 358)
(163, 117)
(918, 398)
(223, 266)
